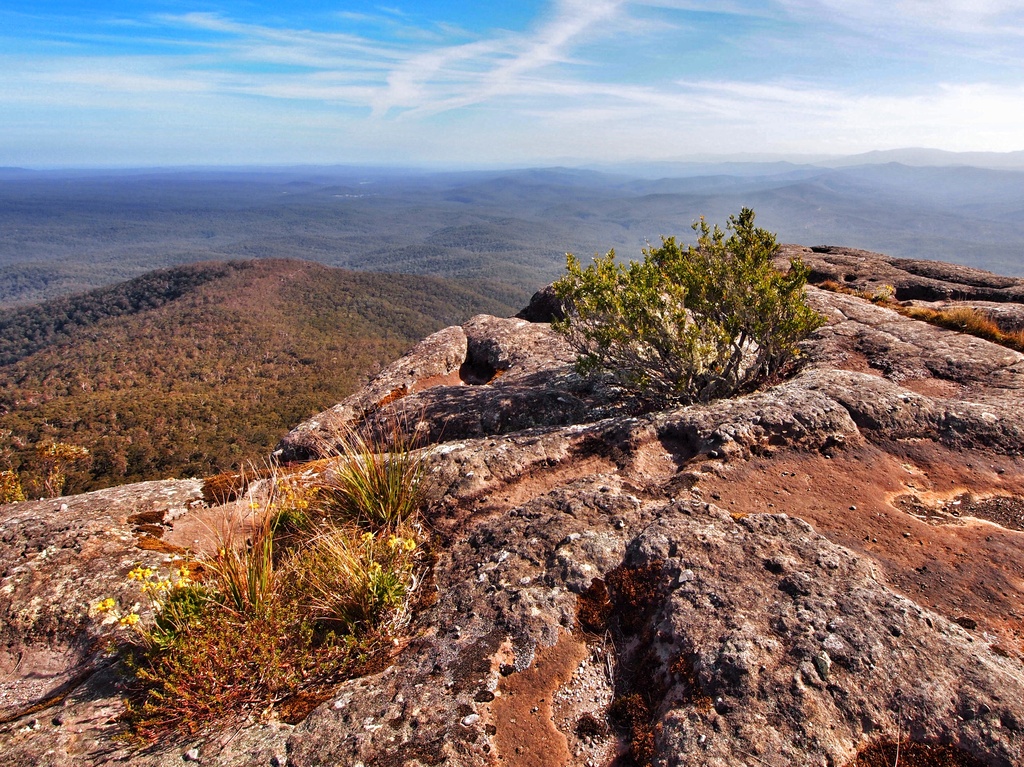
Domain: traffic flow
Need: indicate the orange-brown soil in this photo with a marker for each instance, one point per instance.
(529, 736)
(969, 569)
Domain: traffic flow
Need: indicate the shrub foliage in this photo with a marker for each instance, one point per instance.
(689, 324)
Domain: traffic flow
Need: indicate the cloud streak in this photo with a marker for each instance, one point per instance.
(788, 76)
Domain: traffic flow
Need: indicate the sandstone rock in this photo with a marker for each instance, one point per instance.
(826, 657)
(587, 552)
(912, 279)
(512, 375)
(60, 557)
(437, 360)
(544, 306)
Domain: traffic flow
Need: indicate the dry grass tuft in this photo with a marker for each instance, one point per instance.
(965, 319)
(318, 588)
(910, 754)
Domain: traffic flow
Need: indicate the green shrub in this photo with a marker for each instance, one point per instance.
(689, 324)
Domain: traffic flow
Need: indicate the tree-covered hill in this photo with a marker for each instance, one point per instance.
(196, 369)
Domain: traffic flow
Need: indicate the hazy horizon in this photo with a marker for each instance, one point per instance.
(743, 163)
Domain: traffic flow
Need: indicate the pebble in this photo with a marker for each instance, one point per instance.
(192, 755)
(470, 720)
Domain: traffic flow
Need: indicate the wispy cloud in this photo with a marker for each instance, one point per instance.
(587, 77)
(963, 17)
(459, 76)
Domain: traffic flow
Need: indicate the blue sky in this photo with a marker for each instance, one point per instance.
(164, 82)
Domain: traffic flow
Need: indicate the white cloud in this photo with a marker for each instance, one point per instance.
(524, 95)
(462, 75)
(736, 116)
(993, 17)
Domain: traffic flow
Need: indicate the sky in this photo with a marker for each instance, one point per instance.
(511, 82)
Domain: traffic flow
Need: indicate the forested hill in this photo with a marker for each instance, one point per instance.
(27, 330)
(196, 369)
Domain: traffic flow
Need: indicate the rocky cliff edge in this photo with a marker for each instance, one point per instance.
(807, 575)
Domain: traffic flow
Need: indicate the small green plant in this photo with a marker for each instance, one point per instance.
(689, 324)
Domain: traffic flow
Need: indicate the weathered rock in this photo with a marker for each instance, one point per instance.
(512, 375)
(587, 552)
(544, 306)
(58, 558)
(436, 361)
(912, 279)
(823, 659)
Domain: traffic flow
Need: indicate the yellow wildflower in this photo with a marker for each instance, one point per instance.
(140, 573)
(105, 605)
(406, 544)
(130, 619)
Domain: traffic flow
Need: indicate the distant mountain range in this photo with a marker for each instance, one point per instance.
(197, 369)
(63, 232)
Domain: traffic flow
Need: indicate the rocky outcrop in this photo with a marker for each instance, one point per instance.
(912, 279)
(490, 376)
(813, 571)
(58, 558)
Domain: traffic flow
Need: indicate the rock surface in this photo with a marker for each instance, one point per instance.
(784, 578)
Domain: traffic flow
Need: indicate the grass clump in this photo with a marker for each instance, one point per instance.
(959, 317)
(311, 588)
(379, 487)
